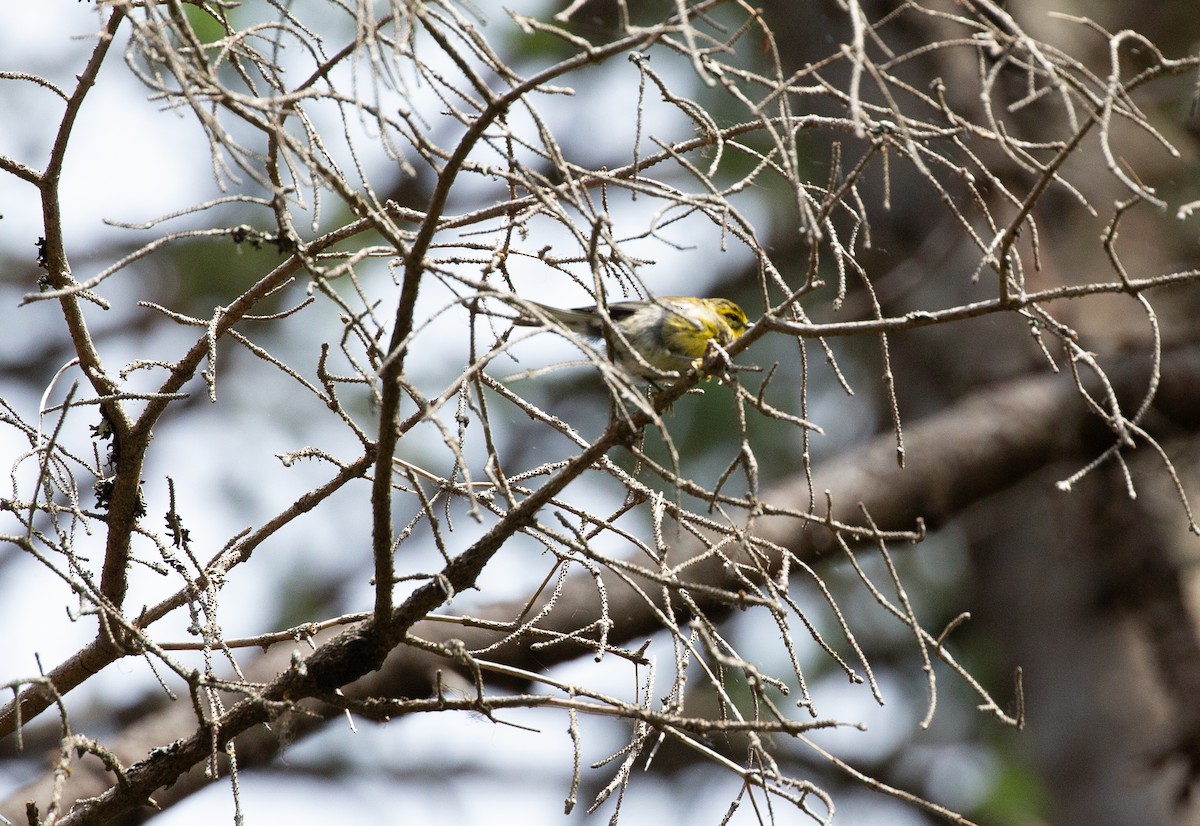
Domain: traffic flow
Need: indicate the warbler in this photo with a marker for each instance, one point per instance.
(669, 333)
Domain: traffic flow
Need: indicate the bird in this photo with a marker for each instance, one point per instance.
(671, 333)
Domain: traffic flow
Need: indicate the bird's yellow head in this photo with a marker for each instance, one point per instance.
(733, 316)
(692, 322)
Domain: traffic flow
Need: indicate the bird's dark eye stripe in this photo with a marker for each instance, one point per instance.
(733, 317)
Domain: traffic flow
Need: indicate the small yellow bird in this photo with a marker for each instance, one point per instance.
(670, 333)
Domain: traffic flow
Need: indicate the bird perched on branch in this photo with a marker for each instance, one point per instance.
(669, 333)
